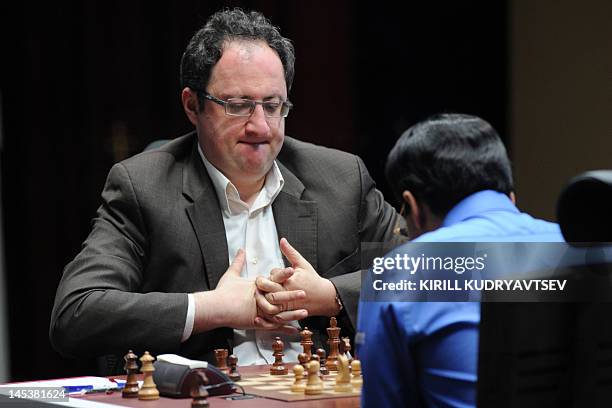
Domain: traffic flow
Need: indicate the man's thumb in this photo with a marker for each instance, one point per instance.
(293, 256)
(237, 264)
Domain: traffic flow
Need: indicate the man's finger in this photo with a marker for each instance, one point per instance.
(266, 285)
(280, 275)
(291, 315)
(261, 323)
(237, 264)
(265, 307)
(278, 298)
(291, 253)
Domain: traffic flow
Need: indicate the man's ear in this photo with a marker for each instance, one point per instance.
(414, 213)
(512, 197)
(190, 105)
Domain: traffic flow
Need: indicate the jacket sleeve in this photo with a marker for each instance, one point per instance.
(377, 219)
(99, 307)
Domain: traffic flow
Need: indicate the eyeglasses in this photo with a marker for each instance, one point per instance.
(246, 107)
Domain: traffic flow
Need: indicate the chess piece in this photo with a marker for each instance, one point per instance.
(343, 379)
(315, 384)
(278, 367)
(307, 341)
(198, 390)
(148, 392)
(234, 375)
(221, 357)
(323, 360)
(346, 348)
(299, 385)
(316, 358)
(333, 333)
(131, 368)
(356, 380)
(303, 360)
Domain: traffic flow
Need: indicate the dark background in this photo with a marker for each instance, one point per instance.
(86, 84)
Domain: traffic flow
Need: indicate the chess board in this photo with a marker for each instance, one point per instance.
(279, 387)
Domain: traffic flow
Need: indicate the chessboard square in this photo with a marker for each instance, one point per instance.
(273, 387)
(250, 383)
(345, 393)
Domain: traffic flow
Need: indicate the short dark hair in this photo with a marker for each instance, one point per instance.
(447, 157)
(206, 46)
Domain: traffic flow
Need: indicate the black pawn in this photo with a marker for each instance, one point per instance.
(130, 390)
(234, 375)
(322, 358)
(198, 391)
(303, 360)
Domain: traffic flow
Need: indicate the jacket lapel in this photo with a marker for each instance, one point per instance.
(205, 216)
(296, 219)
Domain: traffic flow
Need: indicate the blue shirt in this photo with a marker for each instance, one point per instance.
(426, 354)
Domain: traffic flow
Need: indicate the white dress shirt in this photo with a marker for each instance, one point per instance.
(254, 230)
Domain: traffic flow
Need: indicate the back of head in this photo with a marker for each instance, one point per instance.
(447, 157)
(583, 208)
(206, 46)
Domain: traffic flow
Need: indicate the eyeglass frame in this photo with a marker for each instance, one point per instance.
(252, 103)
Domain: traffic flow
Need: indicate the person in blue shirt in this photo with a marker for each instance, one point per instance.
(454, 178)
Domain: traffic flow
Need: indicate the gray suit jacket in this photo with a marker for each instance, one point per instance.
(159, 234)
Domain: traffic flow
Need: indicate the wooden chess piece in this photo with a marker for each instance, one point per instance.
(303, 360)
(323, 360)
(234, 375)
(315, 384)
(221, 357)
(333, 333)
(131, 368)
(346, 348)
(278, 367)
(316, 358)
(356, 380)
(307, 341)
(343, 379)
(299, 385)
(198, 390)
(148, 392)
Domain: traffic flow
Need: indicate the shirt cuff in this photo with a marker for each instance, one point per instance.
(190, 318)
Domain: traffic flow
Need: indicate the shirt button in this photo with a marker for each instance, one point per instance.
(254, 260)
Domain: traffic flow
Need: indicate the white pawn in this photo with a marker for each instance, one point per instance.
(299, 385)
(315, 384)
(357, 380)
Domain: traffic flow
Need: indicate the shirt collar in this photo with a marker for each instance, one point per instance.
(228, 195)
(478, 203)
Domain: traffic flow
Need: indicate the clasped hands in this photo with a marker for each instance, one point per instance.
(288, 294)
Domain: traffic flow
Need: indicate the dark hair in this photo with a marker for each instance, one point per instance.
(447, 157)
(206, 46)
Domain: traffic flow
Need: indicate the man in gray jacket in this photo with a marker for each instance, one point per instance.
(153, 273)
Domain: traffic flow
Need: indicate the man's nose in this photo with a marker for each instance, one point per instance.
(258, 123)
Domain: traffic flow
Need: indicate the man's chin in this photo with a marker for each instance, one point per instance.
(256, 169)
